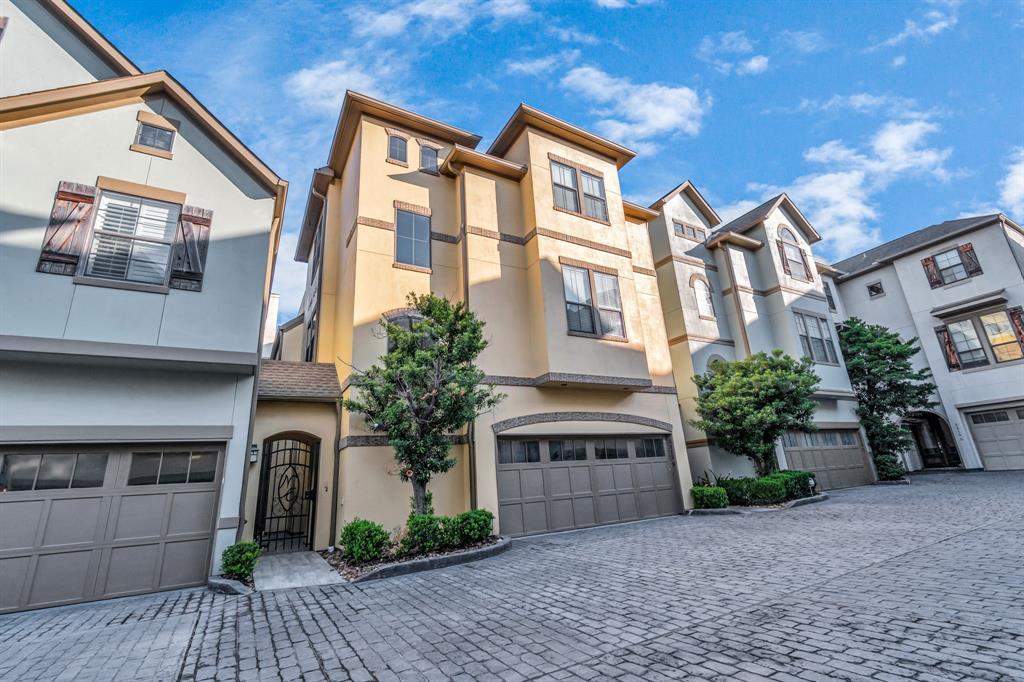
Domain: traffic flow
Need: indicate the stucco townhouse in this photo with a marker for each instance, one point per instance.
(747, 286)
(137, 237)
(536, 237)
(958, 287)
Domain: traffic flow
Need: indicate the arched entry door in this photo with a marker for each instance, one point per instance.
(286, 505)
(933, 439)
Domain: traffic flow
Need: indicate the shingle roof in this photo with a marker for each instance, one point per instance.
(751, 217)
(303, 381)
(909, 242)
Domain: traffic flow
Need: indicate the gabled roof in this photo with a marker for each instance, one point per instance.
(908, 243)
(299, 381)
(91, 37)
(691, 192)
(527, 116)
(757, 215)
(23, 110)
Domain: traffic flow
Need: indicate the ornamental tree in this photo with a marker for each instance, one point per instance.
(888, 387)
(746, 406)
(425, 388)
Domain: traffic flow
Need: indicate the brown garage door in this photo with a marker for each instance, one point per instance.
(574, 482)
(999, 437)
(836, 457)
(84, 523)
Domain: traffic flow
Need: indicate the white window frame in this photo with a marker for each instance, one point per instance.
(705, 302)
(824, 327)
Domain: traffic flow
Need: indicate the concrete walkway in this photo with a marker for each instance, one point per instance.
(295, 569)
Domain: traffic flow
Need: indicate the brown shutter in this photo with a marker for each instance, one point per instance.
(807, 267)
(969, 259)
(67, 231)
(782, 255)
(1017, 322)
(931, 270)
(948, 349)
(192, 241)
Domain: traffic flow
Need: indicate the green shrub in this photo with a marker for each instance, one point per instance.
(425, 533)
(363, 541)
(737, 490)
(889, 468)
(709, 497)
(473, 526)
(239, 560)
(767, 490)
(798, 483)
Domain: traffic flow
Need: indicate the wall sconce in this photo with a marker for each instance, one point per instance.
(254, 453)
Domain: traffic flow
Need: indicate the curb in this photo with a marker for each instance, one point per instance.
(899, 481)
(820, 497)
(430, 563)
(222, 585)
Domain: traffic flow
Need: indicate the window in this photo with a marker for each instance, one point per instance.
(791, 439)
(875, 290)
(828, 296)
(168, 468)
(786, 234)
(829, 438)
(847, 438)
(19, 472)
(702, 292)
(610, 449)
(564, 179)
(398, 148)
(1001, 336)
(793, 262)
(649, 447)
(566, 182)
(579, 306)
(132, 239)
(689, 231)
(428, 159)
(815, 338)
(412, 239)
(518, 452)
(951, 267)
(154, 137)
(405, 321)
(968, 345)
(990, 417)
(311, 330)
(567, 450)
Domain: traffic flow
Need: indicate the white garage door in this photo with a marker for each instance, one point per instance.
(999, 437)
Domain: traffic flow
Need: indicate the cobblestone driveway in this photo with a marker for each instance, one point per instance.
(924, 582)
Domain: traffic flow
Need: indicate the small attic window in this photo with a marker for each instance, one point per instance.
(154, 137)
(876, 290)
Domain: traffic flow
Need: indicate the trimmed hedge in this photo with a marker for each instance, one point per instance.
(775, 488)
(709, 497)
(427, 533)
(363, 541)
(239, 560)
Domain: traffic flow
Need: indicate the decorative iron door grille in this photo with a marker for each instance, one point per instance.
(287, 500)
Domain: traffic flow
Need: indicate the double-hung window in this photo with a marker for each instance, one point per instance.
(829, 297)
(398, 148)
(968, 344)
(702, 292)
(412, 239)
(428, 159)
(594, 204)
(568, 181)
(132, 239)
(564, 179)
(951, 267)
(583, 316)
(1001, 336)
(815, 338)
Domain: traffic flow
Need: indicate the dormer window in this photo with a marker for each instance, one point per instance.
(794, 262)
(398, 149)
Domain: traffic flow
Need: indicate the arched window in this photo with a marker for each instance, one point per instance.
(787, 235)
(398, 148)
(404, 318)
(794, 263)
(712, 360)
(702, 292)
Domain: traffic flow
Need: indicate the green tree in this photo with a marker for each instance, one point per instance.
(882, 373)
(425, 388)
(746, 406)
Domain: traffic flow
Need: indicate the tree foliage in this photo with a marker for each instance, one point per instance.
(880, 365)
(425, 388)
(745, 406)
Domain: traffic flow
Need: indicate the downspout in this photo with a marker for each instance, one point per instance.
(337, 473)
(471, 428)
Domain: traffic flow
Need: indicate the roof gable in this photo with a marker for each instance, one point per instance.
(92, 38)
(695, 197)
(759, 214)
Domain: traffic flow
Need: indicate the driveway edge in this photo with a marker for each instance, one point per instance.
(820, 497)
(430, 563)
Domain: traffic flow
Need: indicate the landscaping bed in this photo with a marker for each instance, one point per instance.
(407, 564)
(774, 491)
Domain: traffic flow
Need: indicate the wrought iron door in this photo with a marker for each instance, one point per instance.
(287, 499)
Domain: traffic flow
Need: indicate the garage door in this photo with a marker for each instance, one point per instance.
(999, 437)
(836, 457)
(575, 482)
(78, 524)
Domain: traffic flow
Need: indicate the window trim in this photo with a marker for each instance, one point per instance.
(697, 277)
(827, 328)
(402, 265)
(146, 118)
(398, 134)
(991, 359)
(959, 263)
(680, 228)
(590, 269)
(830, 298)
(580, 194)
(437, 159)
(872, 296)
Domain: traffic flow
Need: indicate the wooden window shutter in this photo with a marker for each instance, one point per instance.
(66, 232)
(932, 272)
(969, 259)
(192, 241)
(948, 349)
(807, 266)
(782, 255)
(1017, 322)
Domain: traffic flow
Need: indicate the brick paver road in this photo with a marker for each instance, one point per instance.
(890, 583)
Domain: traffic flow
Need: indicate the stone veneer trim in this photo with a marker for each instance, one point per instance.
(546, 417)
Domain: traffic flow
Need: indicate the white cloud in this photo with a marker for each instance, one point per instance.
(622, 4)
(754, 65)
(868, 103)
(633, 113)
(444, 17)
(323, 86)
(726, 51)
(804, 42)
(933, 22)
(540, 65)
(1011, 187)
(734, 210)
(898, 61)
(572, 35)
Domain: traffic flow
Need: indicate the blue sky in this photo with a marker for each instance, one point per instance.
(877, 117)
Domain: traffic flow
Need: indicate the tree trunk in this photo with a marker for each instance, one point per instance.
(764, 466)
(419, 495)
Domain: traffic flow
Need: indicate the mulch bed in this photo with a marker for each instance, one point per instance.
(352, 571)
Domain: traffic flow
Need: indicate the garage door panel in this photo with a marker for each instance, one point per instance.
(140, 516)
(184, 563)
(561, 514)
(581, 482)
(535, 516)
(668, 501)
(19, 522)
(559, 483)
(604, 478)
(830, 456)
(61, 577)
(648, 502)
(644, 474)
(191, 512)
(584, 511)
(628, 507)
(510, 517)
(74, 521)
(623, 476)
(999, 437)
(607, 508)
(508, 484)
(15, 572)
(130, 569)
